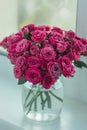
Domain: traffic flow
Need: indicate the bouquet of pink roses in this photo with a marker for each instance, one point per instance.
(41, 54)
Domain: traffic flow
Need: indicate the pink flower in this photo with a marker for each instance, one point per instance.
(44, 28)
(18, 72)
(66, 66)
(55, 38)
(47, 53)
(62, 46)
(38, 36)
(73, 55)
(4, 42)
(20, 61)
(34, 50)
(57, 29)
(33, 61)
(33, 75)
(68, 70)
(70, 34)
(47, 80)
(64, 60)
(22, 46)
(12, 48)
(54, 69)
(31, 27)
(12, 57)
(14, 38)
(79, 46)
(27, 29)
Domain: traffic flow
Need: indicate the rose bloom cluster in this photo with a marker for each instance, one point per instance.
(42, 54)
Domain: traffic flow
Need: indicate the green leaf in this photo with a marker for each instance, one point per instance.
(21, 81)
(80, 64)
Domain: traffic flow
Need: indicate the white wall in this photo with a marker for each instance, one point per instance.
(8, 17)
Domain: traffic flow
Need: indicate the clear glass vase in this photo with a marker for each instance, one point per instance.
(40, 104)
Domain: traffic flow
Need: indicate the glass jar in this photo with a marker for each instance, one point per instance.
(40, 104)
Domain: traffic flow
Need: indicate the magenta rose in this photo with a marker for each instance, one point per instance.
(62, 46)
(47, 81)
(70, 34)
(14, 38)
(4, 42)
(12, 57)
(54, 69)
(18, 72)
(33, 61)
(79, 46)
(38, 35)
(65, 60)
(12, 48)
(33, 75)
(47, 53)
(23, 45)
(44, 28)
(57, 29)
(34, 50)
(73, 55)
(55, 38)
(68, 70)
(20, 61)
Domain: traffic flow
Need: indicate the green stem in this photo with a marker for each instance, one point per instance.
(60, 99)
(48, 99)
(32, 100)
(42, 101)
(35, 105)
(25, 102)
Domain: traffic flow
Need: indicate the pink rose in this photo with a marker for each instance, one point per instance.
(27, 29)
(4, 42)
(70, 34)
(47, 81)
(33, 75)
(57, 29)
(66, 66)
(46, 43)
(34, 50)
(18, 72)
(64, 61)
(68, 70)
(55, 38)
(14, 38)
(44, 28)
(79, 46)
(12, 48)
(62, 46)
(12, 57)
(31, 27)
(22, 46)
(73, 55)
(33, 61)
(38, 36)
(84, 42)
(54, 69)
(20, 61)
(47, 53)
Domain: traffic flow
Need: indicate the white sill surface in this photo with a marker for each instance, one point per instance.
(73, 116)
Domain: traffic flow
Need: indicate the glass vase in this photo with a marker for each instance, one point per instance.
(41, 104)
